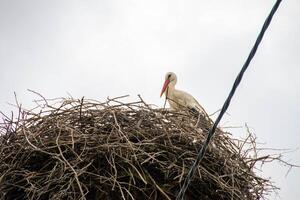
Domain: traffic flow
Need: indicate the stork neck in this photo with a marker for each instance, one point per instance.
(171, 88)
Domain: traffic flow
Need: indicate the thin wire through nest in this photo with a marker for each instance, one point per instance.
(83, 149)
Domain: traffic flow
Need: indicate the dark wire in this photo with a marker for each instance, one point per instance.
(237, 81)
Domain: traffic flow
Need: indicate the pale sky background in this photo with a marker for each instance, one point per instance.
(100, 48)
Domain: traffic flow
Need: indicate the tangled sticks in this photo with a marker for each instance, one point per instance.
(83, 149)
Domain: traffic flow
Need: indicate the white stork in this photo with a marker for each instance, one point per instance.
(180, 100)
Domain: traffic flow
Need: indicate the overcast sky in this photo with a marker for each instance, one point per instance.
(100, 48)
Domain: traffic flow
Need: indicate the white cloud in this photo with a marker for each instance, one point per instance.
(114, 47)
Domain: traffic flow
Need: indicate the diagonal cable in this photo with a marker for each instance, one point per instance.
(237, 81)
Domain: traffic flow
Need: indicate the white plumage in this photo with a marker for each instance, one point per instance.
(179, 100)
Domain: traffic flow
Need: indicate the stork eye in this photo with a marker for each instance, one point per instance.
(169, 76)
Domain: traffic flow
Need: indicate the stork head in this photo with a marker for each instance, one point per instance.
(170, 78)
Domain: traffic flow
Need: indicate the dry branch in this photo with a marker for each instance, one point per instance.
(84, 149)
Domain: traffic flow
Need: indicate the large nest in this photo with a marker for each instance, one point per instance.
(83, 149)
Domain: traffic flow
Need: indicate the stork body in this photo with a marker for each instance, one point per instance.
(179, 100)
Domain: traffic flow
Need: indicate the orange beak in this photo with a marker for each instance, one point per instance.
(164, 87)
